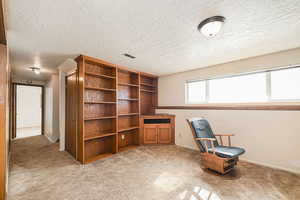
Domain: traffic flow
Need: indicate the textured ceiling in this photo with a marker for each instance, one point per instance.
(161, 34)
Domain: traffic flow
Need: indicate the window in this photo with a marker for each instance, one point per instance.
(248, 88)
(285, 84)
(274, 85)
(196, 92)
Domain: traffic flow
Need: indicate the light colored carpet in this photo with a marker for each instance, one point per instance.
(40, 172)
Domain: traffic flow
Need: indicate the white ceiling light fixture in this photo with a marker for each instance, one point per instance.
(36, 70)
(210, 27)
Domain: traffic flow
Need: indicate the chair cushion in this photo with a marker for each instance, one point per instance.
(203, 130)
(227, 152)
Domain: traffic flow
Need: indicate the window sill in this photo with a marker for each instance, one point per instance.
(293, 106)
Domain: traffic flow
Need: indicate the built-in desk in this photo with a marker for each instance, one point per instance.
(157, 129)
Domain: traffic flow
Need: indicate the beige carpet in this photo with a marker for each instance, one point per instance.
(40, 172)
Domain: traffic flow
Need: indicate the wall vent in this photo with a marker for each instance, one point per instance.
(129, 56)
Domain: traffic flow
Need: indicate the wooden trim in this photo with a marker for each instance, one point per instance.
(147, 74)
(2, 24)
(94, 60)
(81, 86)
(71, 74)
(124, 68)
(234, 107)
(4, 111)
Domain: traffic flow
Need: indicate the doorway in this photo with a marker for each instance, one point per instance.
(28, 110)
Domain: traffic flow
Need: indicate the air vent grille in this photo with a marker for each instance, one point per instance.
(129, 56)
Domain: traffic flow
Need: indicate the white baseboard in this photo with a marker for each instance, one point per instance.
(255, 162)
(49, 138)
(270, 165)
(61, 148)
(188, 147)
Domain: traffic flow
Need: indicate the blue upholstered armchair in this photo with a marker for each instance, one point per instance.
(214, 156)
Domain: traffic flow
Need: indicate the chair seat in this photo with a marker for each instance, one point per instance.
(227, 152)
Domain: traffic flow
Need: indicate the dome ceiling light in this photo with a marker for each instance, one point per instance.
(210, 27)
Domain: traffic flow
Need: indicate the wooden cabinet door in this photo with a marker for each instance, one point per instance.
(164, 133)
(150, 134)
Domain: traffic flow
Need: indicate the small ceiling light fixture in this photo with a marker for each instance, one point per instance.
(210, 27)
(36, 70)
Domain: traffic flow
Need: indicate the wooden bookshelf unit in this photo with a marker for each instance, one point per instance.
(105, 103)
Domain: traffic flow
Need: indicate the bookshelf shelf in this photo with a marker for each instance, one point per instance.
(102, 89)
(127, 114)
(99, 75)
(100, 135)
(128, 129)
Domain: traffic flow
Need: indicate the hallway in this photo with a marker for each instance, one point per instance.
(40, 172)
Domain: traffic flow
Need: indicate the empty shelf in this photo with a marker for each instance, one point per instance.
(99, 75)
(128, 99)
(100, 102)
(103, 89)
(129, 84)
(129, 128)
(151, 91)
(95, 136)
(97, 118)
(148, 84)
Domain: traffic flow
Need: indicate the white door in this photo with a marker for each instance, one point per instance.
(29, 111)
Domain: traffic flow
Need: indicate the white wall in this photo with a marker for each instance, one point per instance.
(29, 106)
(48, 128)
(270, 137)
(55, 80)
(62, 106)
(52, 109)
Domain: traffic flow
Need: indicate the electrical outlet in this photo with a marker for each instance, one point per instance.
(122, 137)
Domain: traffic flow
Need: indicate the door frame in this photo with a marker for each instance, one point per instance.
(14, 106)
(68, 115)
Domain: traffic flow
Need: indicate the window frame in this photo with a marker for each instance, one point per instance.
(268, 88)
(187, 93)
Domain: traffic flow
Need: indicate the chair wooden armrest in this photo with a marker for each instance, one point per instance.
(211, 140)
(225, 134)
